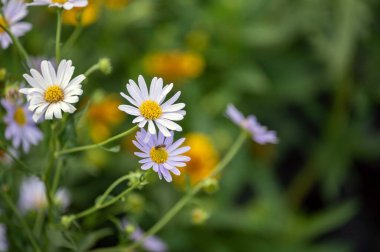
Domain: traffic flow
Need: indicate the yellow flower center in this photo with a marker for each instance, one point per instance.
(19, 116)
(3, 23)
(158, 154)
(150, 110)
(54, 94)
(59, 1)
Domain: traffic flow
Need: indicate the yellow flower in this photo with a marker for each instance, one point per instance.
(174, 65)
(204, 158)
(103, 115)
(87, 15)
(116, 4)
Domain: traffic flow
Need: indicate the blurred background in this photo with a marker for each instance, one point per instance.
(307, 69)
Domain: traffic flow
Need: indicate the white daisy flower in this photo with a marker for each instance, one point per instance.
(53, 91)
(33, 195)
(149, 106)
(11, 14)
(66, 4)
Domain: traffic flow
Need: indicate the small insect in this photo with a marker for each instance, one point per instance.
(160, 146)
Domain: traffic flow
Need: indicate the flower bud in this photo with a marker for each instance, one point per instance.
(66, 220)
(210, 185)
(3, 73)
(199, 216)
(129, 229)
(105, 65)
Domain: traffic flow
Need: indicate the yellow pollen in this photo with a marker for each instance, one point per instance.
(159, 154)
(59, 1)
(150, 110)
(19, 116)
(3, 23)
(54, 94)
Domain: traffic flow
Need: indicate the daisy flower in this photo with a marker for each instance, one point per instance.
(12, 12)
(66, 4)
(151, 243)
(161, 153)
(149, 106)
(53, 92)
(3, 238)
(260, 134)
(33, 195)
(20, 128)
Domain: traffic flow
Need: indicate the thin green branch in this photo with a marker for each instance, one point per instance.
(98, 145)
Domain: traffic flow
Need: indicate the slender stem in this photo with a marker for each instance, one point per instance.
(91, 70)
(111, 187)
(58, 36)
(57, 175)
(22, 222)
(39, 222)
(186, 198)
(17, 43)
(98, 145)
(73, 37)
(48, 172)
(112, 201)
(23, 166)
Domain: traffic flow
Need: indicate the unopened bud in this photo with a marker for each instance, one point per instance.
(105, 65)
(199, 216)
(66, 220)
(129, 229)
(3, 73)
(211, 185)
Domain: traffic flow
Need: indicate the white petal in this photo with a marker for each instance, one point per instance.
(129, 110)
(151, 128)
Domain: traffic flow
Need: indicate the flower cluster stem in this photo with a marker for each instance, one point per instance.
(190, 194)
(18, 45)
(58, 36)
(103, 203)
(98, 145)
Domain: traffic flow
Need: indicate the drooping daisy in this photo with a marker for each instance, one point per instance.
(33, 197)
(151, 243)
(66, 4)
(161, 153)
(12, 12)
(260, 134)
(150, 108)
(21, 129)
(53, 92)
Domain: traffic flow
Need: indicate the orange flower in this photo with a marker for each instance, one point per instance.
(204, 158)
(86, 16)
(116, 4)
(174, 65)
(103, 115)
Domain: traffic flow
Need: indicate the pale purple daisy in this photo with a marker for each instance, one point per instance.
(21, 129)
(66, 4)
(161, 153)
(149, 106)
(3, 238)
(260, 134)
(151, 243)
(12, 12)
(33, 195)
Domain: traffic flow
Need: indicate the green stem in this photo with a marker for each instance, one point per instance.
(98, 145)
(112, 201)
(111, 187)
(57, 175)
(18, 45)
(22, 222)
(49, 169)
(58, 36)
(185, 199)
(73, 37)
(23, 166)
(91, 70)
